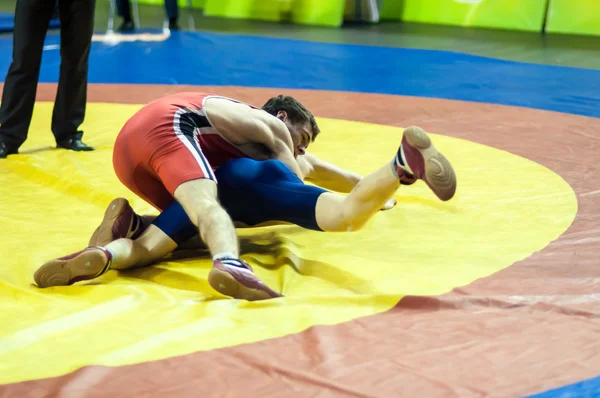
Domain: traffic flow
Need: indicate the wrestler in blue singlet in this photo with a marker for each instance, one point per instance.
(252, 192)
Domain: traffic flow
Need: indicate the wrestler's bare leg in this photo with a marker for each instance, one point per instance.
(150, 247)
(199, 200)
(340, 213)
(226, 276)
(417, 158)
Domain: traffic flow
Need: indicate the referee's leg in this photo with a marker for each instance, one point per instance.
(77, 27)
(31, 24)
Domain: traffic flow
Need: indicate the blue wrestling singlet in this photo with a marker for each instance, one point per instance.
(252, 192)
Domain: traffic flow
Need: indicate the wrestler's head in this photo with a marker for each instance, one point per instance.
(300, 121)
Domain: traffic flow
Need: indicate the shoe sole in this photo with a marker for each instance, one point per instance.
(225, 283)
(439, 174)
(105, 233)
(83, 265)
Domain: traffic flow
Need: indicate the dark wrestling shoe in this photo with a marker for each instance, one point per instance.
(234, 278)
(74, 144)
(86, 264)
(5, 151)
(120, 221)
(173, 25)
(424, 163)
(126, 26)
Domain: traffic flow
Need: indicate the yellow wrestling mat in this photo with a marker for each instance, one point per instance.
(52, 200)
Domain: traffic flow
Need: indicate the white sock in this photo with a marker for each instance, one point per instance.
(112, 253)
(220, 256)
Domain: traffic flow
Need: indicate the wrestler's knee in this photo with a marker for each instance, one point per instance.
(197, 197)
(335, 214)
(350, 222)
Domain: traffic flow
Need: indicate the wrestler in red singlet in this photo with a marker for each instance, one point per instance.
(168, 142)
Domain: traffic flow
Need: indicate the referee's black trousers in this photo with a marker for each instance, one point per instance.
(31, 24)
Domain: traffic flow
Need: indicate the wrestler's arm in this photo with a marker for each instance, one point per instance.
(332, 177)
(243, 124)
(327, 175)
(276, 136)
(263, 128)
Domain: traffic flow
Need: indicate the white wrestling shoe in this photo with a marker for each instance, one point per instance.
(235, 278)
(120, 221)
(84, 265)
(417, 158)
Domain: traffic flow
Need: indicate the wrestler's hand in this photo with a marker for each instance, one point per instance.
(389, 204)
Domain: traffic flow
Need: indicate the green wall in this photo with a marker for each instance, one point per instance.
(182, 3)
(564, 16)
(574, 16)
(525, 15)
(313, 12)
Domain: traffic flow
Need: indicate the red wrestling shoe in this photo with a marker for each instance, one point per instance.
(120, 221)
(234, 278)
(418, 158)
(84, 265)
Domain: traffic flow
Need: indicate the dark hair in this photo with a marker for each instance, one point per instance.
(296, 112)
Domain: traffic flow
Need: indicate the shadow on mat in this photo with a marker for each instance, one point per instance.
(36, 150)
(169, 278)
(275, 252)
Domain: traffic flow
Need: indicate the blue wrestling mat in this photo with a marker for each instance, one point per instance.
(7, 22)
(286, 63)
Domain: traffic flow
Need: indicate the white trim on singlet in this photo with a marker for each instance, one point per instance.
(196, 152)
